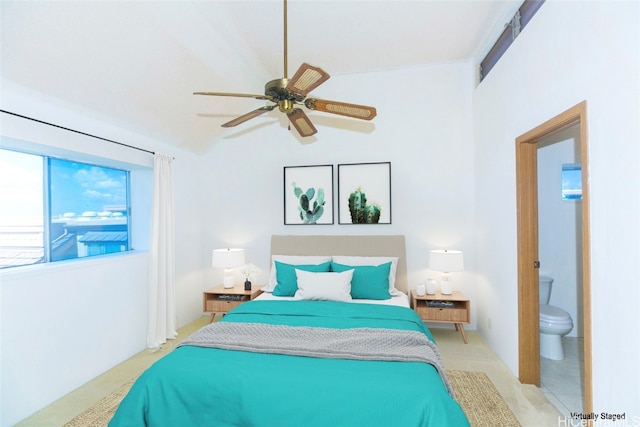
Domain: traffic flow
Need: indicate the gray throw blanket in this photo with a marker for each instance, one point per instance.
(356, 343)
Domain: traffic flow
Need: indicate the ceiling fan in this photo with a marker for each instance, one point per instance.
(288, 94)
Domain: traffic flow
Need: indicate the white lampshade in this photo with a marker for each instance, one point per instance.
(447, 261)
(227, 259)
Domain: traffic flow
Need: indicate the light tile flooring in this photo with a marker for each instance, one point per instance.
(69, 406)
(561, 381)
(527, 402)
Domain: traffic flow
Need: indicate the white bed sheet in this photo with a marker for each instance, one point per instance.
(400, 300)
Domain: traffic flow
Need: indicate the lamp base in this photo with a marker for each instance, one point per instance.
(445, 286)
(227, 282)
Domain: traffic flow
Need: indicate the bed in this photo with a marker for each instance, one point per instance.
(314, 357)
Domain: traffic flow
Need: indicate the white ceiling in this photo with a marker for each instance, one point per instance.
(136, 63)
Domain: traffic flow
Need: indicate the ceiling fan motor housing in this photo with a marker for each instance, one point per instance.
(277, 90)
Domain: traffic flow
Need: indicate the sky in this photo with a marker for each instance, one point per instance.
(75, 187)
(79, 187)
(20, 184)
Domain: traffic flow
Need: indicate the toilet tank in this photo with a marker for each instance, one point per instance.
(545, 283)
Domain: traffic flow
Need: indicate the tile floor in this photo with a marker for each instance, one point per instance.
(528, 402)
(561, 380)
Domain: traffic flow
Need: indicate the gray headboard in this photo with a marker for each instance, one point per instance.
(346, 245)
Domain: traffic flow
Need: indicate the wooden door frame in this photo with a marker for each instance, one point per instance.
(527, 234)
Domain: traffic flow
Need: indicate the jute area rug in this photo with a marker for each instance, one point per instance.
(480, 400)
(474, 391)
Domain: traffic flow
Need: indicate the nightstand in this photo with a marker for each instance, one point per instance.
(222, 300)
(439, 308)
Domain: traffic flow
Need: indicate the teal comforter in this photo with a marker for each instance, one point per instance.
(197, 386)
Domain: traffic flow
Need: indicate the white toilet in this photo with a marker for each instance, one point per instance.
(554, 323)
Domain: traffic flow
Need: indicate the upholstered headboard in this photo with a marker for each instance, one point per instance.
(346, 245)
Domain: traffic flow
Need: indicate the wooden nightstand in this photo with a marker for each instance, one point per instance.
(222, 300)
(458, 311)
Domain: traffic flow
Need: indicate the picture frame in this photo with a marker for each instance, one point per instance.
(308, 195)
(368, 185)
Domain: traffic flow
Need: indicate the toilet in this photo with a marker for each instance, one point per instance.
(554, 323)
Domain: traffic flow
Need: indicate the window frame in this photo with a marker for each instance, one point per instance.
(10, 144)
(35, 136)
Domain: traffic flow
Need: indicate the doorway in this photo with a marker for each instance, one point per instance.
(528, 257)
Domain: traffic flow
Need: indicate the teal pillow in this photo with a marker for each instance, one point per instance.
(287, 282)
(369, 281)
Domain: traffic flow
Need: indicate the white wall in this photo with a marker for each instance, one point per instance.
(422, 128)
(570, 52)
(65, 323)
(560, 226)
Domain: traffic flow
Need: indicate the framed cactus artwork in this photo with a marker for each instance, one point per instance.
(308, 195)
(364, 193)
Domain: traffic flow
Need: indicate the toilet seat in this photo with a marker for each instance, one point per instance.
(554, 315)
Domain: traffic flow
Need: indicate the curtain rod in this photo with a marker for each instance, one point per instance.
(77, 131)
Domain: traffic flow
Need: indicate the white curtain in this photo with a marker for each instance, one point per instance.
(162, 312)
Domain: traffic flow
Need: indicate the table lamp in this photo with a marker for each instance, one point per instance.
(446, 261)
(227, 259)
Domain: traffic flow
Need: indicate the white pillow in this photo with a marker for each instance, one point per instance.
(294, 260)
(324, 286)
(372, 260)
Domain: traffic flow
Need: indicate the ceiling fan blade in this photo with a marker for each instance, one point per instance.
(306, 79)
(248, 116)
(301, 122)
(342, 108)
(237, 95)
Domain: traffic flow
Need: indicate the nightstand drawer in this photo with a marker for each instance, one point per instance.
(221, 306)
(222, 300)
(443, 314)
(448, 308)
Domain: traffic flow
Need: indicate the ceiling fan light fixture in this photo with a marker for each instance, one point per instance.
(301, 122)
(285, 105)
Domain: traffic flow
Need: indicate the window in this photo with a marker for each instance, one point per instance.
(512, 30)
(53, 209)
(571, 181)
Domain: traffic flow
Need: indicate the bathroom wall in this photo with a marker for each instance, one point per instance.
(560, 225)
